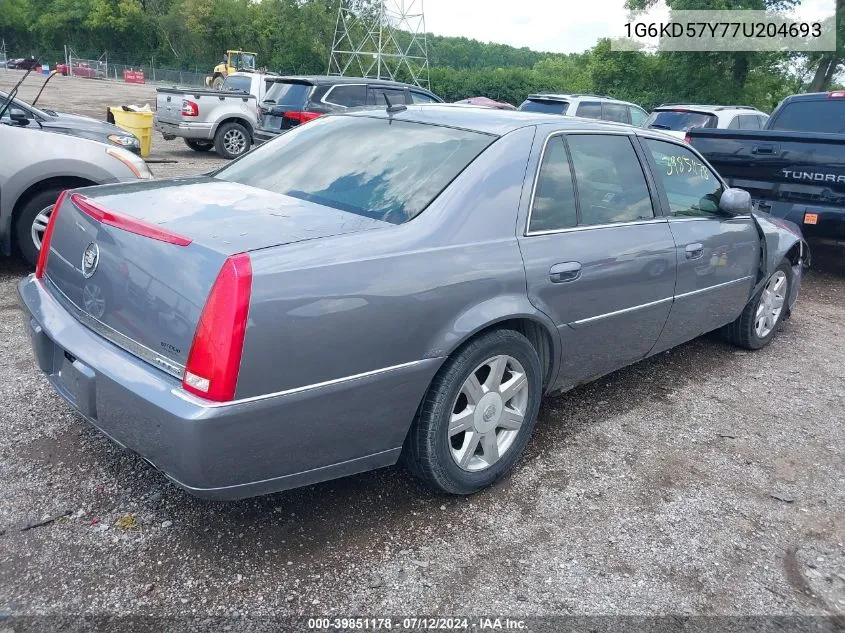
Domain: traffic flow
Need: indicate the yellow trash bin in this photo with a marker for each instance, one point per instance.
(139, 123)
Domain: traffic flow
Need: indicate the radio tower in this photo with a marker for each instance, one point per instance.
(383, 39)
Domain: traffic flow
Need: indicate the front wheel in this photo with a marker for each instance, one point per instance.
(231, 140)
(761, 318)
(32, 223)
(477, 415)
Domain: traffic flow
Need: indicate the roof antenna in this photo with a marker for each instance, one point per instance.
(391, 108)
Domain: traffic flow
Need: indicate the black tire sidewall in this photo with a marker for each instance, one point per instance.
(23, 224)
(198, 145)
(506, 342)
(221, 133)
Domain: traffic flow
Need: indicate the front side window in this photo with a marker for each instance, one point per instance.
(589, 109)
(421, 97)
(614, 112)
(378, 168)
(554, 197)
(609, 179)
(692, 189)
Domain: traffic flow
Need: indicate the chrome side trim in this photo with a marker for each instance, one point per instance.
(188, 397)
(587, 227)
(607, 315)
(135, 348)
(716, 287)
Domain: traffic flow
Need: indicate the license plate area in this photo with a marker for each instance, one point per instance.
(75, 381)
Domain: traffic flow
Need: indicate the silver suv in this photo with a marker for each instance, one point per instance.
(677, 119)
(588, 106)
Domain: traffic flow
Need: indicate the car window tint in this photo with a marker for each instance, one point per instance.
(638, 116)
(347, 96)
(547, 106)
(609, 179)
(377, 96)
(421, 97)
(237, 83)
(292, 95)
(749, 122)
(589, 109)
(825, 116)
(693, 190)
(383, 169)
(614, 112)
(554, 197)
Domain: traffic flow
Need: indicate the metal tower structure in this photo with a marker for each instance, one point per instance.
(382, 39)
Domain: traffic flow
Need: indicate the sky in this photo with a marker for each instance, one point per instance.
(558, 26)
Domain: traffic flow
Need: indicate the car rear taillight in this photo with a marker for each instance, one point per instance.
(836, 94)
(301, 117)
(125, 223)
(48, 235)
(190, 108)
(215, 357)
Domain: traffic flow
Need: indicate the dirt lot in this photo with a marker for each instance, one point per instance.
(704, 481)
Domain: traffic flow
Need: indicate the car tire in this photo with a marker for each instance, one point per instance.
(37, 208)
(198, 145)
(231, 140)
(465, 461)
(217, 82)
(762, 316)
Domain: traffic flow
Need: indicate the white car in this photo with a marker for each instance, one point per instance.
(587, 106)
(678, 119)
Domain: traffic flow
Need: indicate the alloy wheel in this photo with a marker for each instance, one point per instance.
(234, 142)
(770, 305)
(488, 413)
(39, 226)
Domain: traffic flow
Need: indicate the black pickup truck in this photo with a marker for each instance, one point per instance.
(794, 168)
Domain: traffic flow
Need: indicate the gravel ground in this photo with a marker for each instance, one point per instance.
(706, 480)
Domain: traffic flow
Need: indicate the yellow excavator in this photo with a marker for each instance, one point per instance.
(234, 61)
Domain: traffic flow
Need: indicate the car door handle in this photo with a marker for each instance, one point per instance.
(694, 251)
(764, 148)
(564, 272)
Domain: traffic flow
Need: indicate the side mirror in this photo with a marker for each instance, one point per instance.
(735, 201)
(18, 116)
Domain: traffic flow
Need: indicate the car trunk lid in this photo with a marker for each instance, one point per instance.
(136, 263)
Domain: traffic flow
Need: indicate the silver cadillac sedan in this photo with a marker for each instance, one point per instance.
(391, 284)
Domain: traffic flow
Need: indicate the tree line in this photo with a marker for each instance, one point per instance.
(295, 37)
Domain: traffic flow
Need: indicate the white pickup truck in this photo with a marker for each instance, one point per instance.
(220, 119)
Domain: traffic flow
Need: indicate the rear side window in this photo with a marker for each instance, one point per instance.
(589, 109)
(826, 116)
(237, 83)
(554, 198)
(749, 122)
(347, 96)
(692, 189)
(614, 112)
(421, 97)
(609, 179)
(546, 106)
(395, 96)
(378, 168)
(680, 120)
(292, 95)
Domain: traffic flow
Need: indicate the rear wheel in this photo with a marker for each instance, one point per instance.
(477, 415)
(199, 146)
(231, 140)
(32, 223)
(761, 318)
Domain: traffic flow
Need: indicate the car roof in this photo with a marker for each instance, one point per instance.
(811, 96)
(330, 80)
(578, 95)
(489, 120)
(709, 109)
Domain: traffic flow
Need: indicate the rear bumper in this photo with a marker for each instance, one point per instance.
(229, 451)
(260, 136)
(185, 130)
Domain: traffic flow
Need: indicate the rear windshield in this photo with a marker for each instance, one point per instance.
(544, 105)
(824, 117)
(679, 120)
(239, 83)
(382, 169)
(287, 94)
